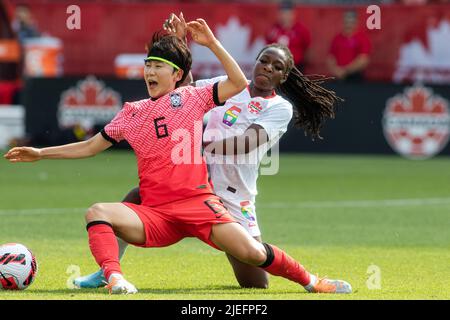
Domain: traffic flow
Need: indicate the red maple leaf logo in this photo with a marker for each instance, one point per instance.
(417, 123)
(417, 100)
(254, 107)
(87, 104)
(90, 92)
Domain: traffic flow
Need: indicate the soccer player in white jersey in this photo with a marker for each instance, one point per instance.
(234, 172)
(250, 123)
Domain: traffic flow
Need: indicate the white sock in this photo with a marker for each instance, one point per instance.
(115, 275)
(122, 247)
(312, 282)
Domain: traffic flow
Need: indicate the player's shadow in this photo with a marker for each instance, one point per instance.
(217, 290)
(207, 291)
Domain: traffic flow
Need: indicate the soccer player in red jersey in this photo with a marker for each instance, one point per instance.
(177, 200)
(234, 175)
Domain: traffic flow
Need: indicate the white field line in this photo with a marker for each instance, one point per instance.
(44, 211)
(275, 205)
(360, 203)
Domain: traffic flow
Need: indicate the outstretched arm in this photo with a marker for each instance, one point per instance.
(236, 82)
(77, 150)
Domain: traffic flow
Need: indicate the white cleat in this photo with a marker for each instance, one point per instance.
(118, 285)
(324, 285)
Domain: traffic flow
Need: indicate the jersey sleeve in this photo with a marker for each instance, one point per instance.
(275, 120)
(209, 95)
(206, 82)
(114, 131)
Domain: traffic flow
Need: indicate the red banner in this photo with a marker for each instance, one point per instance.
(413, 42)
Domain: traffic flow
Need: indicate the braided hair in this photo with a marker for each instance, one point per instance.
(313, 104)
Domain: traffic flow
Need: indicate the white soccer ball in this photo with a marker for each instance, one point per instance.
(18, 267)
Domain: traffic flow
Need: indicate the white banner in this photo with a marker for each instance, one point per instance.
(12, 124)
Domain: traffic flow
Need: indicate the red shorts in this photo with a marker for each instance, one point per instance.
(193, 217)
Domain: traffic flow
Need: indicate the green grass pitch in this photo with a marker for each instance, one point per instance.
(380, 222)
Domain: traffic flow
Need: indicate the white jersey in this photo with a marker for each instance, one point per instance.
(234, 177)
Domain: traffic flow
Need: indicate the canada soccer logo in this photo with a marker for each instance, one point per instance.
(88, 104)
(416, 124)
(254, 107)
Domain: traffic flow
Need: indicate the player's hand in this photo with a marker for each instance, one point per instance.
(23, 154)
(201, 33)
(176, 26)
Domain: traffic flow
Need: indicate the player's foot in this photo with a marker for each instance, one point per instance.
(330, 286)
(118, 285)
(93, 280)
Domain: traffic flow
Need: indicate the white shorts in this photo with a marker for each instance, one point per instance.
(244, 212)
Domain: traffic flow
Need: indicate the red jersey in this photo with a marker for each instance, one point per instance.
(346, 48)
(297, 39)
(166, 136)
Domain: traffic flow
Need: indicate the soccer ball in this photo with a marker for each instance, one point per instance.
(18, 267)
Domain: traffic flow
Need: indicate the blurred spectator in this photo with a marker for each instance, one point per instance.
(24, 24)
(291, 33)
(42, 53)
(10, 55)
(349, 51)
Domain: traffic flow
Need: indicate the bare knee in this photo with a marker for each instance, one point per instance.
(96, 212)
(254, 255)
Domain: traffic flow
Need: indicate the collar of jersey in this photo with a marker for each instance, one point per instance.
(273, 95)
(155, 99)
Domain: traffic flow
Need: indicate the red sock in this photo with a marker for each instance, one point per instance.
(104, 247)
(279, 263)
